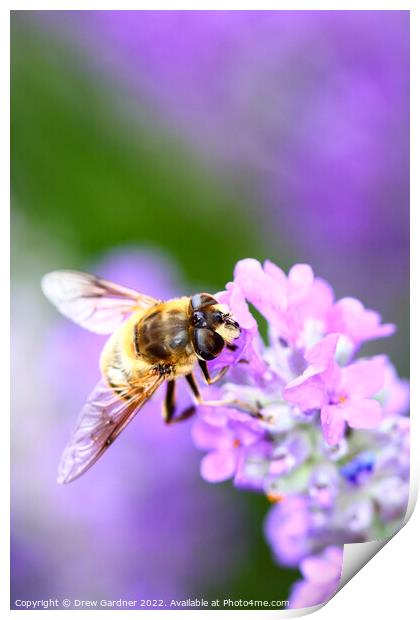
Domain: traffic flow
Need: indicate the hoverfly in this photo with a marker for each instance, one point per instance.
(151, 342)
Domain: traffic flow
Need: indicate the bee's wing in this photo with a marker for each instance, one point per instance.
(101, 420)
(92, 302)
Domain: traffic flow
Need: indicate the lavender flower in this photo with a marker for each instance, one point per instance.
(331, 445)
(343, 395)
(321, 578)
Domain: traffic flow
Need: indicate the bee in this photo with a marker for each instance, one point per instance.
(151, 342)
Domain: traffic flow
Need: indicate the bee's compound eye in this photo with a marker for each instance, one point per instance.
(207, 343)
(199, 319)
(219, 317)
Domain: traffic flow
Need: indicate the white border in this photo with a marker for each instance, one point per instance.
(388, 584)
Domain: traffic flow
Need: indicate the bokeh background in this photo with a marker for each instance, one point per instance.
(158, 148)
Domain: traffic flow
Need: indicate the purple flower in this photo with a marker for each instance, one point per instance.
(286, 302)
(395, 396)
(226, 445)
(323, 485)
(286, 528)
(249, 345)
(349, 316)
(289, 453)
(344, 395)
(330, 448)
(321, 574)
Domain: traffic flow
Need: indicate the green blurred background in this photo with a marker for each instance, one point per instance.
(91, 175)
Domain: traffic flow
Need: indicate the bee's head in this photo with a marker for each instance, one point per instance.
(213, 326)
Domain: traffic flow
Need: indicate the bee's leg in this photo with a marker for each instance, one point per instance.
(254, 411)
(205, 371)
(194, 387)
(185, 415)
(169, 406)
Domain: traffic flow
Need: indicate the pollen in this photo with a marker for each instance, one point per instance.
(275, 498)
(342, 399)
(236, 443)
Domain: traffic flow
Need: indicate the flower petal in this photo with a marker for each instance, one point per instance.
(349, 316)
(319, 301)
(276, 273)
(306, 594)
(233, 297)
(267, 294)
(364, 378)
(319, 569)
(214, 416)
(362, 412)
(335, 555)
(257, 286)
(333, 424)
(307, 391)
(219, 465)
(396, 397)
(322, 354)
(209, 437)
(301, 278)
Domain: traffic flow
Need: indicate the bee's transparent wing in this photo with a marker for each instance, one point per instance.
(101, 420)
(93, 303)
